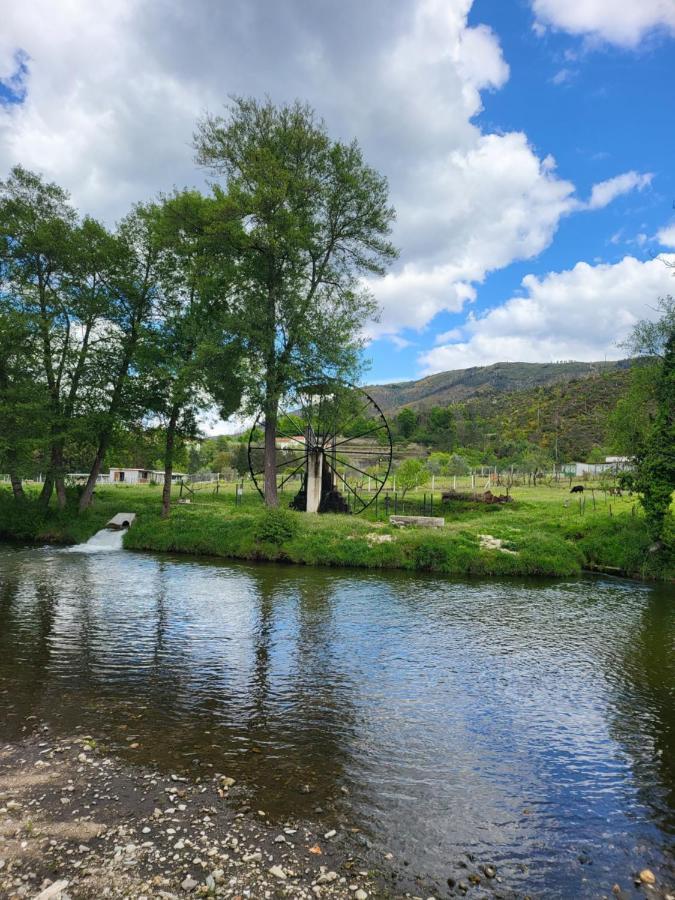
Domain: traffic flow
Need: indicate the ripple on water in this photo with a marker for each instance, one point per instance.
(531, 724)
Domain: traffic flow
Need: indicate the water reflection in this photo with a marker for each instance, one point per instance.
(530, 724)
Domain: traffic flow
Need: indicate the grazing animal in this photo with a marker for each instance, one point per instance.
(577, 489)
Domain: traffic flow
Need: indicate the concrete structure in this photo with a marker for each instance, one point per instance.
(121, 520)
(314, 480)
(422, 521)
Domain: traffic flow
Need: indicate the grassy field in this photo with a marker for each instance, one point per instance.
(544, 532)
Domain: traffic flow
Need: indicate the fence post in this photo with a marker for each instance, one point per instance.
(395, 503)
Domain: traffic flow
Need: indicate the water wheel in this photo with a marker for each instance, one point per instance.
(332, 442)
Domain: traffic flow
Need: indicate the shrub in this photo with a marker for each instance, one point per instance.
(276, 526)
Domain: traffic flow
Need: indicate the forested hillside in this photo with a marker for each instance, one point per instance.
(566, 420)
(504, 377)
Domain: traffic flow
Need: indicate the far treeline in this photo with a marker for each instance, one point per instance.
(197, 300)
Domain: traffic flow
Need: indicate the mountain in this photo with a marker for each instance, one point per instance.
(484, 381)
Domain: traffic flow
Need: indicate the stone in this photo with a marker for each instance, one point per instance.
(327, 878)
(189, 884)
(647, 877)
(489, 871)
(360, 895)
(278, 872)
(53, 892)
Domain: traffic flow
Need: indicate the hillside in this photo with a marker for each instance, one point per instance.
(568, 419)
(481, 381)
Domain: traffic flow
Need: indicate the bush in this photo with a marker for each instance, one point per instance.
(276, 526)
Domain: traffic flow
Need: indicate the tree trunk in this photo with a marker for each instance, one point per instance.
(57, 469)
(46, 492)
(15, 481)
(271, 414)
(88, 492)
(168, 461)
(106, 434)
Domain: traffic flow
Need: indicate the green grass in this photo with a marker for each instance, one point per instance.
(545, 527)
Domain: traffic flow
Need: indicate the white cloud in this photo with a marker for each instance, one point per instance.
(624, 24)
(666, 236)
(581, 313)
(604, 192)
(113, 92)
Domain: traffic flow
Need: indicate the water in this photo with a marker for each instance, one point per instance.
(105, 541)
(528, 723)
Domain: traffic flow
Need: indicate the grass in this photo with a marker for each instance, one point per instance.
(546, 530)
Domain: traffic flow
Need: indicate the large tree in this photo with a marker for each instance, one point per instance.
(644, 422)
(193, 357)
(309, 220)
(134, 284)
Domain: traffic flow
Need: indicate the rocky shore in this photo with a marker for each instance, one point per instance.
(76, 823)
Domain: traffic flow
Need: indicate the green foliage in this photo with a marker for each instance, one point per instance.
(276, 526)
(654, 474)
(412, 473)
(308, 219)
(406, 422)
(548, 537)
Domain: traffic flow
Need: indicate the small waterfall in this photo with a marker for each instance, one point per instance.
(103, 541)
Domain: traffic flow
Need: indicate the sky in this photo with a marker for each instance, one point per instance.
(528, 145)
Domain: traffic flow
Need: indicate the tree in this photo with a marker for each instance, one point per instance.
(193, 359)
(654, 473)
(655, 463)
(133, 283)
(36, 226)
(406, 421)
(412, 473)
(309, 220)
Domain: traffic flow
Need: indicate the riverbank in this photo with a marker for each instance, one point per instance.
(76, 822)
(543, 532)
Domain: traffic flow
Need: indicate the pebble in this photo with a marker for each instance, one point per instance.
(278, 872)
(189, 884)
(647, 876)
(327, 877)
(53, 891)
(360, 895)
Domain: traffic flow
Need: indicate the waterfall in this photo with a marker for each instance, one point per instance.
(103, 541)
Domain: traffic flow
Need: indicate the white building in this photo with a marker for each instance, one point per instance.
(124, 475)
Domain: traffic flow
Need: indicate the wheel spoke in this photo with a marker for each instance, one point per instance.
(355, 437)
(284, 462)
(288, 477)
(367, 474)
(347, 485)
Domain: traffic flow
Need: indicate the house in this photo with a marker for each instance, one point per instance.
(290, 443)
(125, 475)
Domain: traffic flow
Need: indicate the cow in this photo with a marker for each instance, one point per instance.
(577, 489)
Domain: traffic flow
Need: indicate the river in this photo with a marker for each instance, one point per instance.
(527, 723)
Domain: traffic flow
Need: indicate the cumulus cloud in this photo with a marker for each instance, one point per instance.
(666, 236)
(581, 313)
(624, 24)
(112, 92)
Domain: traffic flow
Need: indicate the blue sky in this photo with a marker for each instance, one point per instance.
(528, 145)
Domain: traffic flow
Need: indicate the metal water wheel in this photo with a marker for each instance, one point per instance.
(332, 442)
